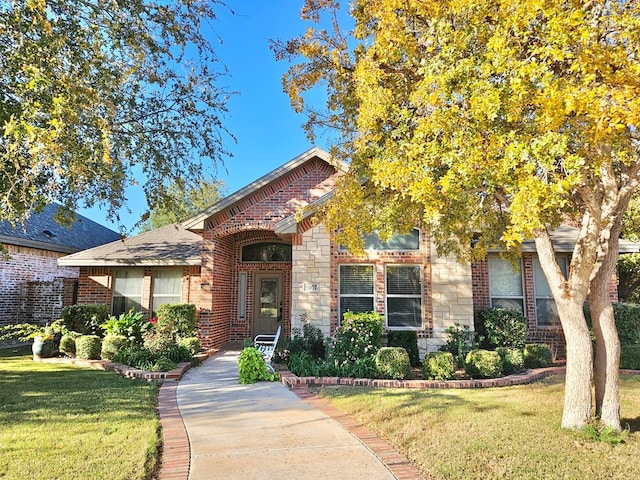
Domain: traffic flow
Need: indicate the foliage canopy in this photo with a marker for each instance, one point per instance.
(95, 93)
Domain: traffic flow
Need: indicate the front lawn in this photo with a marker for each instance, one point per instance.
(65, 422)
(496, 433)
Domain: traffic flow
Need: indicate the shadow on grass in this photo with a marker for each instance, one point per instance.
(30, 392)
(632, 423)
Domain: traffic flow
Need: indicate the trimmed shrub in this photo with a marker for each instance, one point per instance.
(503, 327)
(439, 366)
(192, 344)
(252, 367)
(630, 357)
(537, 355)
(483, 364)
(88, 347)
(359, 336)
(627, 317)
(393, 362)
(407, 339)
(68, 344)
(178, 318)
(459, 341)
(110, 346)
(85, 319)
(512, 360)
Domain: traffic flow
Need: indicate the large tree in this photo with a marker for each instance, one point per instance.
(489, 122)
(184, 203)
(96, 95)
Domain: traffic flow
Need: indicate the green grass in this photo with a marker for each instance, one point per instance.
(65, 422)
(495, 433)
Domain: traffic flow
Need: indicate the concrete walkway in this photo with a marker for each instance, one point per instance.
(264, 431)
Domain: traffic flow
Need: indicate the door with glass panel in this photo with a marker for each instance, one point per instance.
(267, 302)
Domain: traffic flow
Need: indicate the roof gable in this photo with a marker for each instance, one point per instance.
(261, 185)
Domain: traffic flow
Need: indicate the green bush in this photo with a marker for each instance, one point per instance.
(393, 362)
(359, 336)
(483, 364)
(304, 364)
(88, 347)
(68, 344)
(512, 360)
(192, 344)
(630, 357)
(111, 344)
(252, 368)
(163, 364)
(158, 340)
(132, 325)
(537, 355)
(136, 356)
(459, 341)
(176, 353)
(364, 367)
(627, 318)
(503, 327)
(177, 318)
(439, 366)
(85, 319)
(407, 339)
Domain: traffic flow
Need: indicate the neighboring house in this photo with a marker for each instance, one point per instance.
(33, 287)
(250, 263)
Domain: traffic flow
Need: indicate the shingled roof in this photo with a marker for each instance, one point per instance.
(172, 245)
(41, 231)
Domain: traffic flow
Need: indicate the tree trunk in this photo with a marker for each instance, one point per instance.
(607, 361)
(579, 377)
(570, 296)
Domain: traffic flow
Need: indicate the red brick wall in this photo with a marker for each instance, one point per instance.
(379, 259)
(34, 266)
(252, 220)
(553, 335)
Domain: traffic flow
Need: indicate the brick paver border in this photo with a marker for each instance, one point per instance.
(176, 449)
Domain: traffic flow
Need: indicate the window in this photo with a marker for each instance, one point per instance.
(546, 311)
(356, 288)
(242, 295)
(397, 242)
(266, 252)
(167, 287)
(505, 284)
(127, 291)
(404, 296)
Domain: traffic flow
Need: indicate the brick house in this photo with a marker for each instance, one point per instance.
(249, 263)
(33, 287)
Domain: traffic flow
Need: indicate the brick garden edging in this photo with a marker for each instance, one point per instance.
(292, 381)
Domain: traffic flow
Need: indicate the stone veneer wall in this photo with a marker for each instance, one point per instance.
(452, 298)
(310, 279)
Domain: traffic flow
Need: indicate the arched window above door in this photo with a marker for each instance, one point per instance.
(267, 252)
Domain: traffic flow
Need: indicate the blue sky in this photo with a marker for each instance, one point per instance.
(268, 131)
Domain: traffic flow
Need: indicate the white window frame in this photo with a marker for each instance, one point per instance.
(521, 297)
(125, 294)
(388, 295)
(155, 295)
(372, 295)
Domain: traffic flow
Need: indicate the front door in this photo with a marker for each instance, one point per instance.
(267, 304)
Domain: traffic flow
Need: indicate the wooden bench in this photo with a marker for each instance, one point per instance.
(266, 345)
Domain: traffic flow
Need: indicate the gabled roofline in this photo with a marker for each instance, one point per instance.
(197, 222)
(289, 225)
